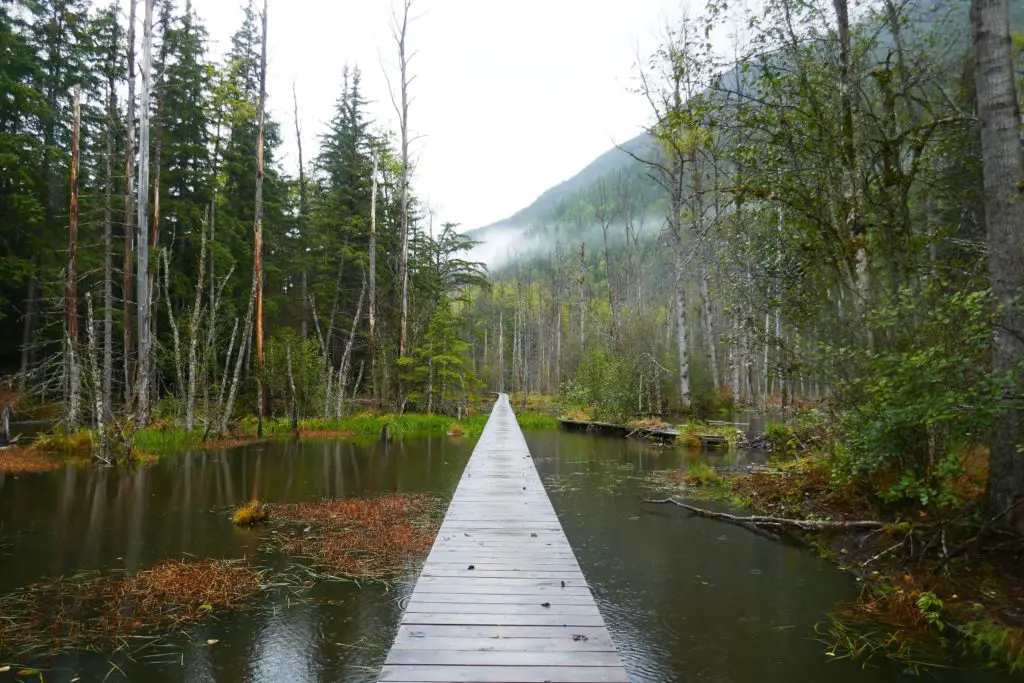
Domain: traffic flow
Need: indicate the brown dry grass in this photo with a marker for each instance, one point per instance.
(100, 611)
(22, 460)
(649, 423)
(325, 433)
(364, 538)
(577, 414)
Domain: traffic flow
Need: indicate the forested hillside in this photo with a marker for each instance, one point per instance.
(807, 219)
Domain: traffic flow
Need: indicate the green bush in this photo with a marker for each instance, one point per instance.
(604, 384)
(927, 399)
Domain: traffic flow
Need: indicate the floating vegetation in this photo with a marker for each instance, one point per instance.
(1000, 644)
(249, 514)
(367, 539)
(101, 612)
(898, 625)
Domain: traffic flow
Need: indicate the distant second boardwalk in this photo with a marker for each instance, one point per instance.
(501, 598)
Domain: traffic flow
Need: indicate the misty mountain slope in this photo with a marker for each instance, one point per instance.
(557, 207)
(564, 212)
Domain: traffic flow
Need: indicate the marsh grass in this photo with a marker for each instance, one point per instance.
(104, 612)
(249, 514)
(365, 539)
(1000, 644)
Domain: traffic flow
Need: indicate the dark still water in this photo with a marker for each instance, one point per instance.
(687, 599)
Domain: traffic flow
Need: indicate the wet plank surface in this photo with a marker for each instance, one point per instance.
(501, 598)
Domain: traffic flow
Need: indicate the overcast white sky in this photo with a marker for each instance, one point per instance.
(510, 98)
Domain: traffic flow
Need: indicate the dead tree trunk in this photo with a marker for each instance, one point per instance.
(371, 312)
(129, 213)
(29, 322)
(681, 339)
(399, 32)
(142, 264)
(71, 288)
(343, 379)
(303, 213)
(193, 334)
(108, 256)
(257, 250)
(291, 384)
(178, 374)
(99, 417)
(239, 361)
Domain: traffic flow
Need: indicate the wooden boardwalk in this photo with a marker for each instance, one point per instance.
(501, 598)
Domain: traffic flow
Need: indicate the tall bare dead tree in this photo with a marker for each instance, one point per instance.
(372, 284)
(142, 251)
(108, 254)
(71, 287)
(129, 211)
(303, 213)
(1003, 172)
(399, 31)
(257, 249)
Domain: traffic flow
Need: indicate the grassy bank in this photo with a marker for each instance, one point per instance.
(164, 439)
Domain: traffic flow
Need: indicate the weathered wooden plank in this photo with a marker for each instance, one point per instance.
(595, 644)
(499, 574)
(502, 674)
(466, 587)
(502, 619)
(524, 612)
(503, 658)
(507, 598)
(540, 606)
(509, 631)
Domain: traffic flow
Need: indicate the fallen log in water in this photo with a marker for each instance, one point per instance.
(759, 521)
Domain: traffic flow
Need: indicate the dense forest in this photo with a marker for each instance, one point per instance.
(826, 207)
(158, 262)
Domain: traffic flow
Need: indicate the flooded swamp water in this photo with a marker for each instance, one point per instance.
(687, 599)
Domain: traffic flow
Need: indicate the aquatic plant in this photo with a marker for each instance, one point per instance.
(104, 612)
(1000, 644)
(700, 473)
(21, 460)
(249, 514)
(368, 539)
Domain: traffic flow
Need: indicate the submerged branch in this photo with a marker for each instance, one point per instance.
(774, 522)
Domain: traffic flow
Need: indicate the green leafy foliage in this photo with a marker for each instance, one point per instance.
(604, 385)
(929, 398)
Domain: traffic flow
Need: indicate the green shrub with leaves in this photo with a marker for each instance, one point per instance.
(605, 385)
(927, 400)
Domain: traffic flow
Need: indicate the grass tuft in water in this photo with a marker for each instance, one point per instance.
(249, 514)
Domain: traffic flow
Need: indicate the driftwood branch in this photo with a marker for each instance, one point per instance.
(771, 522)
